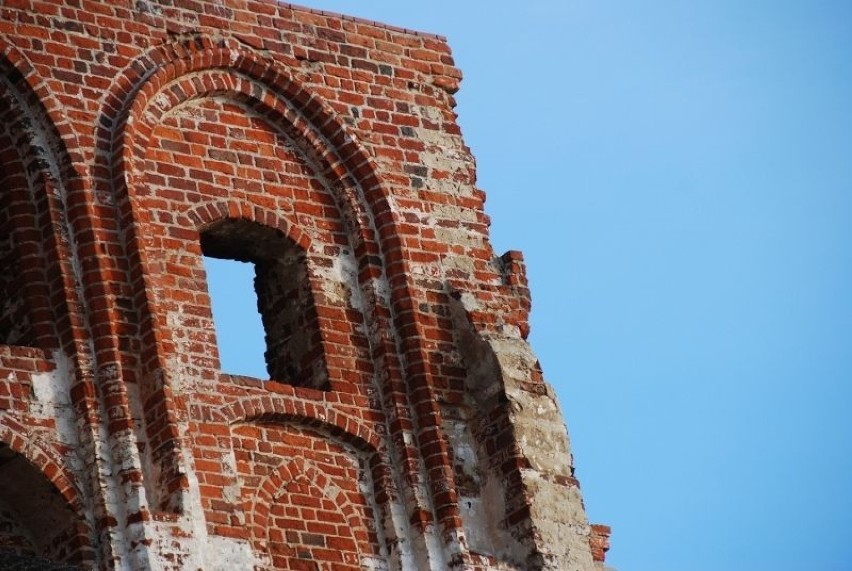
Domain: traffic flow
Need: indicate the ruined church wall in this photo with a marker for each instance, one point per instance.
(404, 414)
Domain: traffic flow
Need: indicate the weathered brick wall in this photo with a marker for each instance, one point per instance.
(405, 423)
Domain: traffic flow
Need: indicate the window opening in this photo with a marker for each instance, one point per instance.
(36, 523)
(239, 329)
(282, 295)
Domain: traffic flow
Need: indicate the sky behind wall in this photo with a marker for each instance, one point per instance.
(679, 177)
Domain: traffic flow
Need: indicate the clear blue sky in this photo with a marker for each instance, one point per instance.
(679, 177)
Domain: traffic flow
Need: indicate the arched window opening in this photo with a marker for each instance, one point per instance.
(283, 295)
(36, 523)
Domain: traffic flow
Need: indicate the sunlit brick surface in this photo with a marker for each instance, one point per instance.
(404, 422)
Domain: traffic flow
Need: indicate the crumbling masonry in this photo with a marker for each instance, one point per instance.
(405, 424)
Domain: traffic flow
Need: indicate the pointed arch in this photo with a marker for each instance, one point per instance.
(297, 485)
(317, 506)
(56, 213)
(40, 496)
(37, 166)
(192, 67)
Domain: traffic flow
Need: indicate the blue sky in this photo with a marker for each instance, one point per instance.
(679, 177)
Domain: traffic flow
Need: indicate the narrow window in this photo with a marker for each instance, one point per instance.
(239, 329)
(282, 298)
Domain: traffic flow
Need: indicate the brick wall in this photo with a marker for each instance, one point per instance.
(404, 422)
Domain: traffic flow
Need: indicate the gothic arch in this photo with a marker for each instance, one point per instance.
(316, 485)
(130, 114)
(134, 105)
(13, 435)
(37, 167)
(324, 418)
(213, 211)
(337, 423)
(42, 497)
(46, 160)
(208, 82)
(301, 510)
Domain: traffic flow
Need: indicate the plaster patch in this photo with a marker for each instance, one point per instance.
(52, 397)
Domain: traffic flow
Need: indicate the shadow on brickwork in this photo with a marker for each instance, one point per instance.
(11, 561)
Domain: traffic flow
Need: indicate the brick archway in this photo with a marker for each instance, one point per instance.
(310, 509)
(39, 154)
(201, 65)
(40, 158)
(40, 495)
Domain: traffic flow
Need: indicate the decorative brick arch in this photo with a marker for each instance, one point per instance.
(329, 424)
(49, 167)
(60, 479)
(210, 212)
(348, 428)
(292, 470)
(136, 104)
(140, 125)
(130, 115)
(39, 95)
(167, 93)
(259, 508)
(58, 169)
